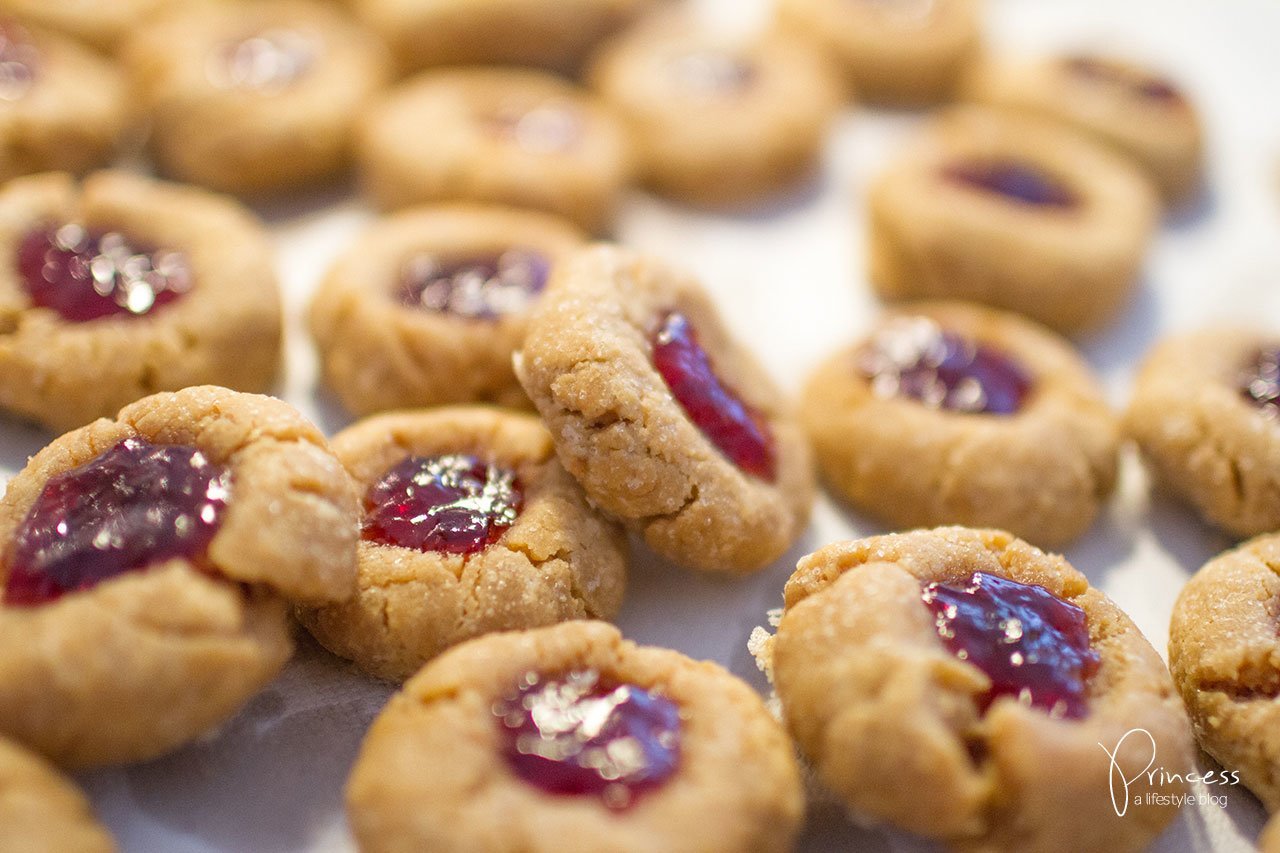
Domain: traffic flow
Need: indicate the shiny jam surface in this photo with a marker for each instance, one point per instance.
(268, 62)
(480, 288)
(87, 275)
(1010, 179)
(452, 504)
(1260, 380)
(135, 505)
(1031, 644)
(1145, 86)
(581, 735)
(915, 357)
(553, 127)
(737, 430)
(19, 61)
(712, 73)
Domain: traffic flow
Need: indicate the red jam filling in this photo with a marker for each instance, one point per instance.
(136, 505)
(19, 61)
(449, 504)
(914, 357)
(482, 288)
(737, 430)
(712, 73)
(551, 128)
(267, 62)
(1010, 179)
(1135, 82)
(1260, 380)
(580, 735)
(1031, 644)
(87, 275)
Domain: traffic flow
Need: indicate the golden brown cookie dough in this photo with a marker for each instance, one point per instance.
(103, 25)
(223, 327)
(253, 97)
(1204, 436)
(939, 227)
(718, 121)
(144, 661)
(1269, 841)
(900, 52)
(42, 812)
(62, 107)
(1126, 106)
(951, 413)
(729, 500)
(497, 135)
(554, 559)
(892, 720)
(428, 305)
(434, 774)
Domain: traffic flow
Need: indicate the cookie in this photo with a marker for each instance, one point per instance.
(951, 413)
(42, 812)
(253, 97)
(102, 25)
(123, 286)
(1204, 415)
(668, 423)
(1013, 211)
(1224, 654)
(144, 563)
(427, 306)
(470, 526)
(570, 737)
(1131, 108)
(900, 53)
(62, 107)
(497, 135)
(716, 121)
(1269, 841)
(959, 684)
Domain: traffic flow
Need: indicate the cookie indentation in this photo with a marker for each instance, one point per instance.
(18, 62)
(1135, 82)
(1013, 180)
(267, 62)
(482, 288)
(712, 73)
(1260, 380)
(551, 128)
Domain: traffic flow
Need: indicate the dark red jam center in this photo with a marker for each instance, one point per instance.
(1031, 644)
(583, 735)
(1260, 380)
(1135, 82)
(86, 275)
(451, 504)
(19, 61)
(483, 288)
(267, 62)
(1016, 181)
(712, 73)
(739, 431)
(134, 506)
(915, 357)
(550, 128)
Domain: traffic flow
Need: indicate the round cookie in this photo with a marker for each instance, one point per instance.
(667, 422)
(104, 25)
(716, 121)
(497, 135)
(571, 732)
(1013, 211)
(62, 107)
(1126, 106)
(42, 812)
(143, 567)
(427, 306)
(958, 684)
(1204, 414)
(951, 413)
(470, 526)
(900, 52)
(123, 286)
(253, 97)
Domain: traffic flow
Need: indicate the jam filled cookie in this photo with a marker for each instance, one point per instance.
(666, 421)
(250, 97)
(718, 122)
(965, 686)
(1225, 657)
(496, 135)
(1143, 115)
(1206, 415)
(124, 286)
(902, 52)
(143, 563)
(102, 24)
(1013, 211)
(62, 107)
(470, 526)
(955, 414)
(427, 307)
(579, 740)
(42, 812)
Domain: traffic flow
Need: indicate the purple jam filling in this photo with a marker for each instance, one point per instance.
(87, 275)
(451, 504)
(481, 288)
(1031, 644)
(552, 128)
(134, 506)
(914, 357)
(737, 430)
(1141, 85)
(712, 74)
(580, 735)
(1260, 380)
(19, 61)
(267, 62)
(1018, 182)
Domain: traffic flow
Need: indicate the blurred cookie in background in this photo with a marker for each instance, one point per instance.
(41, 811)
(104, 25)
